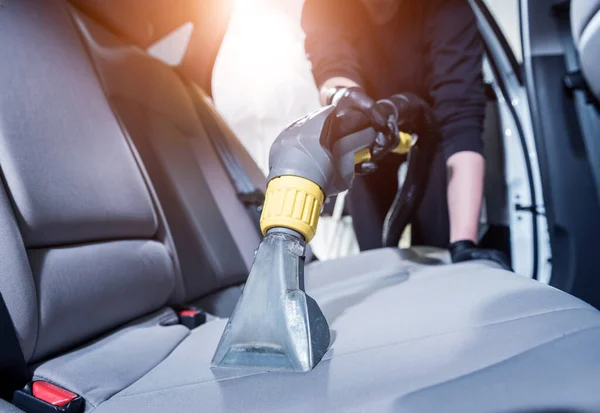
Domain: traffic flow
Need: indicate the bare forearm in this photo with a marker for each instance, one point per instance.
(333, 83)
(465, 193)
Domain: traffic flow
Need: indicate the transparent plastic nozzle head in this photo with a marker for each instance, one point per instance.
(275, 326)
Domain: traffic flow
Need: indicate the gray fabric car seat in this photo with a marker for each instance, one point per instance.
(80, 230)
(82, 247)
(214, 235)
(585, 24)
(172, 122)
(6, 407)
(402, 329)
(87, 274)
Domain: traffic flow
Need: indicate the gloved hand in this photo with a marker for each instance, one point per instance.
(355, 98)
(356, 111)
(461, 251)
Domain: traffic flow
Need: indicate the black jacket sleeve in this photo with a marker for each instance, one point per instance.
(455, 80)
(328, 25)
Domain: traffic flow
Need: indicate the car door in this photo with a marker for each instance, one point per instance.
(565, 128)
(553, 167)
(530, 246)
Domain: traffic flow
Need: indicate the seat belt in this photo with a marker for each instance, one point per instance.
(252, 197)
(14, 373)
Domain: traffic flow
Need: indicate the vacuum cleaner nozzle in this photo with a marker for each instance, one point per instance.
(275, 326)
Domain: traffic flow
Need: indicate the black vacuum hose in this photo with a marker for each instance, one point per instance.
(415, 116)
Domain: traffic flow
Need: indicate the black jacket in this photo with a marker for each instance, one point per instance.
(431, 48)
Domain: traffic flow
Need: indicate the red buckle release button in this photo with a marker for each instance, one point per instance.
(52, 394)
(188, 313)
(192, 317)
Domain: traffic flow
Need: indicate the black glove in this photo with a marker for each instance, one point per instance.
(355, 98)
(356, 111)
(461, 251)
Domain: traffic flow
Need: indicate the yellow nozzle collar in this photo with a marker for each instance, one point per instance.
(292, 202)
(403, 147)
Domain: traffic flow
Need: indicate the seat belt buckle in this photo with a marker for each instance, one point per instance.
(192, 317)
(44, 397)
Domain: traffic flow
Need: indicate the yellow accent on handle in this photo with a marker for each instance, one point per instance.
(403, 147)
(292, 202)
(405, 144)
(361, 156)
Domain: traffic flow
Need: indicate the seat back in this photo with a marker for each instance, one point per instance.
(82, 247)
(585, 24)
(215, 236)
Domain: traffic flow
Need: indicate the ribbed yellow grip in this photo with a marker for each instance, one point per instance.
(292, 202)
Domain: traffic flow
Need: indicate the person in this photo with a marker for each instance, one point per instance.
(366, 50)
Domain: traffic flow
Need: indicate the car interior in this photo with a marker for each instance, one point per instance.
(565, 118)
(119, 216)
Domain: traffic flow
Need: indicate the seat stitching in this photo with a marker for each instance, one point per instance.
(155, 366)
(118, 395)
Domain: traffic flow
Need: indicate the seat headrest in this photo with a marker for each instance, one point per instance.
(582, 12)
(585, 25)
(145, 22)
